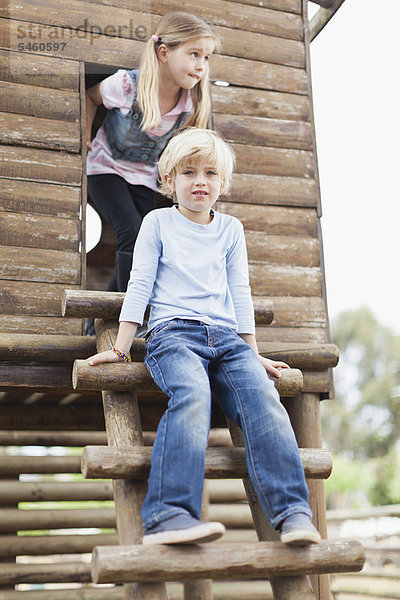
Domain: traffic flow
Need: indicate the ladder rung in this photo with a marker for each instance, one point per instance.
(101, 462)
(119, 564)
(107, 305)
(128, 376)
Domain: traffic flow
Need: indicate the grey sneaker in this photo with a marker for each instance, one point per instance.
(183, 529)
(298, 530)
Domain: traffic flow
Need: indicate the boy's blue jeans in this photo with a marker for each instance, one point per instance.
(187, 359)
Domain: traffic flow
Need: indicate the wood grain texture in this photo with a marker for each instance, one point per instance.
(277, 162)
(40, 265)
(102, 462)
(37, 70)
(128, 376)
(37, 231)
(39, 198)
(46, 325)
(46, 166)
(33, 298)
(135, 563)
(261, 131)
(260, 103)
(264, 189)
(273, 220)
(25, 130)
(37, 101)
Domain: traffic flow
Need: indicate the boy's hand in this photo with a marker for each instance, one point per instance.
(272, 366)
(88, 145)
(108, 356)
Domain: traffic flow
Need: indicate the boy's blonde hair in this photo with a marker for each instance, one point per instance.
(190, 146)
(174, 29)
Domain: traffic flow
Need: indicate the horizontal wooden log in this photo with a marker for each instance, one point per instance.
(226, 490)
(81, 593)
(260, 103)
(52, 438)
(37, 264)
(282, 250)
(24, 130)
(259, 46)
(39, 198)
(292, 334)
(107, 305)
(41, 102)
(290, 6)
(100, 462)
(257, 74)
(65, 572)
(124, 376)
(11, 466)
(233, 516)
(38, 70)
(267, 160)
(225, 14)
(259, 131)
(41, 545)
(390, 510)
(34, 325)
(82, 491)
(264, 189)
(242, 561)
(35, 164)
(54, 348)
(285, 280)
(44, 376)
(12, 519)
(295, 311)
(302, 356)
(32, 298)
(277, 220)
(37, 231)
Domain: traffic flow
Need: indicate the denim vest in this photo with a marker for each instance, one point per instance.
(128, 141)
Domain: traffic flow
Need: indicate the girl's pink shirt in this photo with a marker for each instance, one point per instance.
(117, 91)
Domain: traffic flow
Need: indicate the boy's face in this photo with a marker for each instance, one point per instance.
(197, 187)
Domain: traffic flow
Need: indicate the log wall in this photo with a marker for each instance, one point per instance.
(50, 51)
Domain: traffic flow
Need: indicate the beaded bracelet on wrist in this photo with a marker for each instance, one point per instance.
(124, 357)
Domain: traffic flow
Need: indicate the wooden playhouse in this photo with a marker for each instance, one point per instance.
(50, 53)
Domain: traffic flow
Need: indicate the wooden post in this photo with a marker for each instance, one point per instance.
(305, 417)
(284, 588)
(123, 428)
(200, 589)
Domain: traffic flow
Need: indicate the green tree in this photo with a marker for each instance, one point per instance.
(363, 422)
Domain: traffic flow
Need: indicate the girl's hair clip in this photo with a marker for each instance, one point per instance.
(155, 38)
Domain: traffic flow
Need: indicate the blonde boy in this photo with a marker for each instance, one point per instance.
(190, 265)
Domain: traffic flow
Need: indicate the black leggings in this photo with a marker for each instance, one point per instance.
(123, 205)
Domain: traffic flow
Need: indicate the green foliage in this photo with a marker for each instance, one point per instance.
(363, 422)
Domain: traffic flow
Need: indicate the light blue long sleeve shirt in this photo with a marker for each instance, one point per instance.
(190, 271)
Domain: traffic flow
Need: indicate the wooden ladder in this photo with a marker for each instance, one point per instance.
(144, 569)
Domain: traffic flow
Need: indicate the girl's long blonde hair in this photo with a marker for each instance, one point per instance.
(174, 29)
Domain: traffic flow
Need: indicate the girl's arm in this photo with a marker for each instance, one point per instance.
(126, 333)
(271, 366)
(93, 100)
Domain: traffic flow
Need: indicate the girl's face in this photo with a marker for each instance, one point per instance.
(197, 187)
(185, 65)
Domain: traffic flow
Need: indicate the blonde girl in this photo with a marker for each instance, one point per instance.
(145, 108)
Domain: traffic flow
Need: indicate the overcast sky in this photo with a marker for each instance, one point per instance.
(356, 87)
